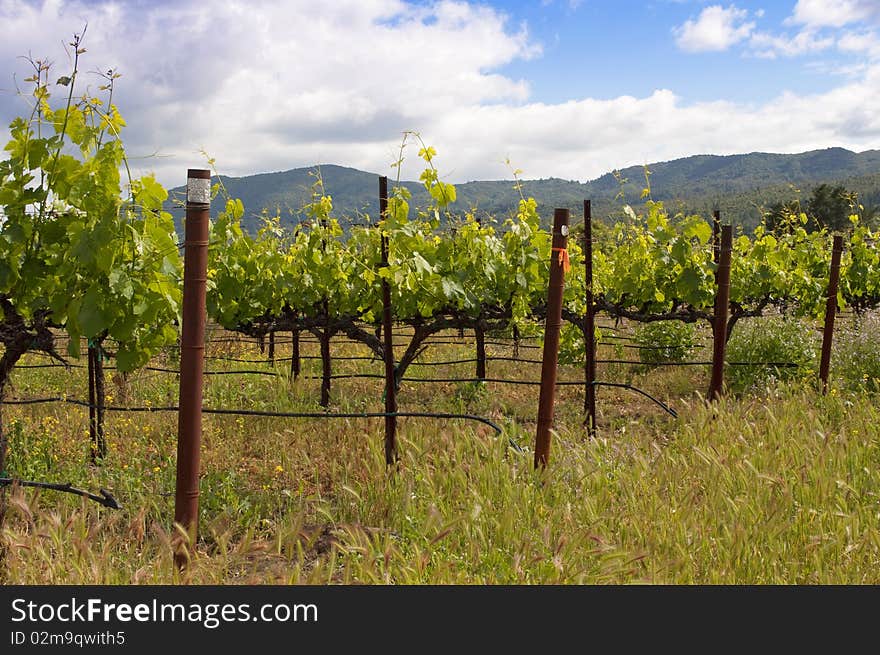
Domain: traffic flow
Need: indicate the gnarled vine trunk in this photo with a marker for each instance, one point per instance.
(13, 353)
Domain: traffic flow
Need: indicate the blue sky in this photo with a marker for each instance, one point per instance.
(562, 88)
(607, 49)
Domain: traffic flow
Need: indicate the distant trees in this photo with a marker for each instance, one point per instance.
(831, 206)
(869, 213)
(781, 214)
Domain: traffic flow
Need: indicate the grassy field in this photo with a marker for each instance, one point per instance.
(774, 484)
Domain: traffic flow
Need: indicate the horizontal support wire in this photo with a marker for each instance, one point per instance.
(272, 414)
(341, 376)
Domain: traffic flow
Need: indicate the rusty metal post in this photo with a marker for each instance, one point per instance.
(716, 248)
(388, 336)
(716, 234)
(480, 335)
(590, 325)
(97, 441)
(93, 408)
(325, 335)
(719, 323)
(326, 361)
(552, 325)
(830, 311)
(192, 357)
(294, 355)
(100, 399)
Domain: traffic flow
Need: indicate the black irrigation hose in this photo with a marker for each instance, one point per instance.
(509, 345)
(106, 498)
(492, 358)
(607, 361)
(242, 339)
(495, 358)
(157, 369)
(471, 361)
(349, 376)
(666, 407)
(779, 364)
(269, 373)
(640, 347)
(640, 363)
(438, 415)
(266, 360)
(257, 412)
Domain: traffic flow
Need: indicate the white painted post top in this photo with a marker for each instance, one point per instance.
(198, 190)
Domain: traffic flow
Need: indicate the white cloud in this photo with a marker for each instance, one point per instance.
(825, 24)
(281, 85)
(264, 82)
(583, 139)
(834, 13)
(851, 71)
(572, 4)
(863, 43)
(806, 42)
(716, 28)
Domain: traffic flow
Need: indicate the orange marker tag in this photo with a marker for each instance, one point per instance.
(564, 262)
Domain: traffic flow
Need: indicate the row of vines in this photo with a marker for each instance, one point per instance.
(447, 271)
(88, 250)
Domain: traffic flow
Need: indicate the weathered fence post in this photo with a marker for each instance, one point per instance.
(388, 335)
(192, 358)
(830, 311)
(480, 335)
(325, 335)
(93, 407)
(271, 356)
(558, 266)
(100, 400)
(716, 249)
(294, 355)
(97, 441)
(589, 325)
(719, 323)
(716, 235)
(326, 361)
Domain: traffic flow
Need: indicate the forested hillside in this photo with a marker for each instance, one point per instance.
(741, 186)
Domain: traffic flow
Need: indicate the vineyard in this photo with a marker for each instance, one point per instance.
(702, 433)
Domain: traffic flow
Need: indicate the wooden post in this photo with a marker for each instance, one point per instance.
(480, 335)
(719, 324)
(830, 311)
(387, 333)
(294, 355)
(552, 326)
(590, 325)
(192, 358)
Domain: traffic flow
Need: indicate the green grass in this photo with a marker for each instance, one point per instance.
(777, 487)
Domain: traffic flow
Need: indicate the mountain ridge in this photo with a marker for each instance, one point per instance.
(737, 184)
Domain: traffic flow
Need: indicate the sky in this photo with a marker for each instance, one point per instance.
(556, 88)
